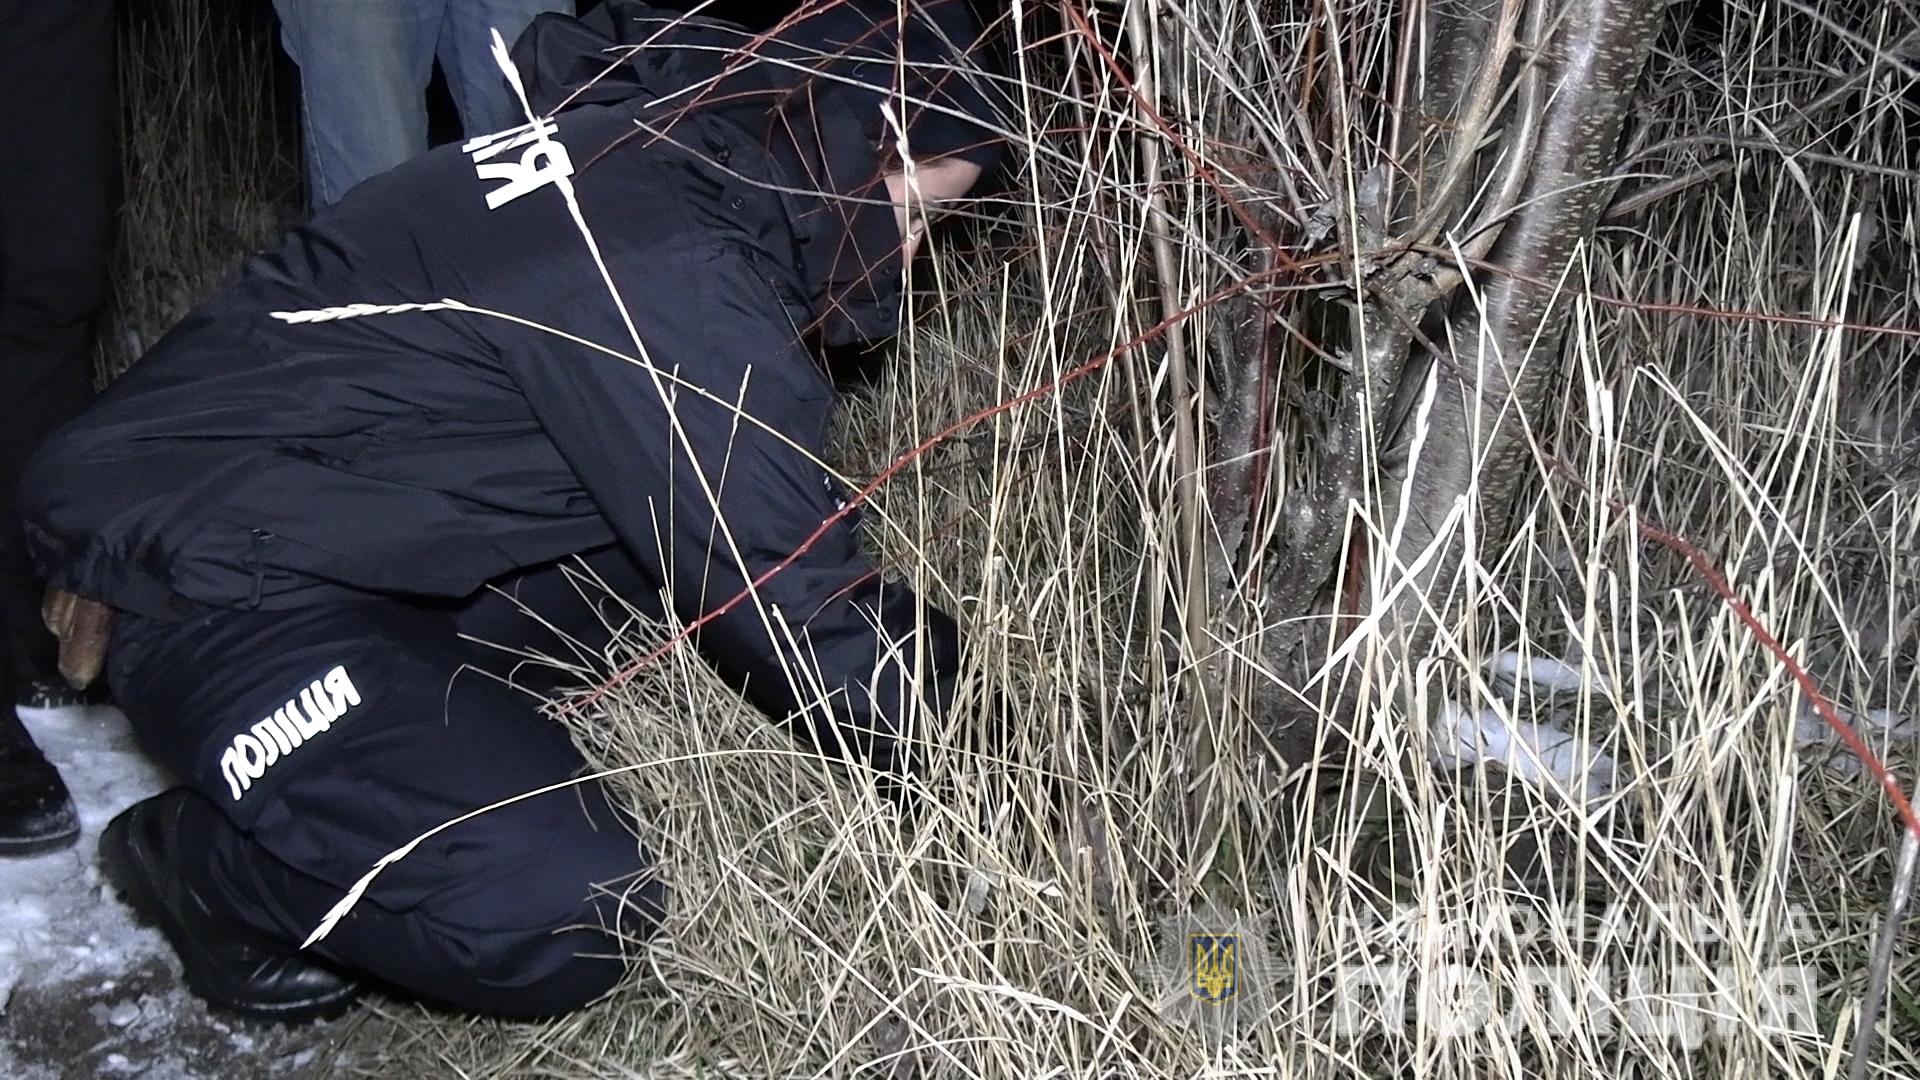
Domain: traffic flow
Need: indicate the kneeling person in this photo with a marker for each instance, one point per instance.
(301, 518)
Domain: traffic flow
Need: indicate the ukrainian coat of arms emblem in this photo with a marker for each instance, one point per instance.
(1213, 966)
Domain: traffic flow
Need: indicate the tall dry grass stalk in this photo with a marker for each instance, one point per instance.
(817, 932)
(210, 173)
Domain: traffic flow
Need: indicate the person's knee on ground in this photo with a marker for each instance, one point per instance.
(500, 903)
(531, 962)
(511, 933)
(517, 973)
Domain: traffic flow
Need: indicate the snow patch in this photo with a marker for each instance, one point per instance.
(83, 990)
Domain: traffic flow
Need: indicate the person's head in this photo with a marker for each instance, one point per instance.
(889, 112)
(921, 193)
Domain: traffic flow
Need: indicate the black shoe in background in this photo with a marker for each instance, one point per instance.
(36, 812)
(229, 965)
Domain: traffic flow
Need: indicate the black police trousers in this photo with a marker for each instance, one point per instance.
(319, 740)
(58, 188)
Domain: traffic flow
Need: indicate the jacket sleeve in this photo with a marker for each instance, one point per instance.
(710, 474)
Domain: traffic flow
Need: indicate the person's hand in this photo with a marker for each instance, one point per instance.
(82, 626)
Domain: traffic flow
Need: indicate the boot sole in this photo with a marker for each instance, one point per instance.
(130, 880)
(59, 840)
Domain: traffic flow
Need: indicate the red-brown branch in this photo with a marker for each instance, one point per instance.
(1718, 583)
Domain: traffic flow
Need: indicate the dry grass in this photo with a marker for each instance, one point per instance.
(209, 175)
(816, 933)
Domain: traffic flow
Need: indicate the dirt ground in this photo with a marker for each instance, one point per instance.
(144, 1024)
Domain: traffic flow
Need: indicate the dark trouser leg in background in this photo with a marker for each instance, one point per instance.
(57, 192)
(507, 913)
(364, 68)
(36, 812)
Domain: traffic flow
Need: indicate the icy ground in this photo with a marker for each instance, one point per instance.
(84, 991)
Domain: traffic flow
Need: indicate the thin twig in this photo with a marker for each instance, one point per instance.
(1879, 972)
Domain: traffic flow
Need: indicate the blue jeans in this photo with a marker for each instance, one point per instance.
(364, 69)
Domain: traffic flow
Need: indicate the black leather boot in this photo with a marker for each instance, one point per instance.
(229, 965)
(36, 813)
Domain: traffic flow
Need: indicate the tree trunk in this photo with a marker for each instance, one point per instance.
(1504, 335)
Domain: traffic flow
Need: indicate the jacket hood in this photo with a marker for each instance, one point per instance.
(830, 90)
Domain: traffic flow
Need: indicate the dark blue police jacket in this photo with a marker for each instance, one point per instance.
(257, 460)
